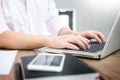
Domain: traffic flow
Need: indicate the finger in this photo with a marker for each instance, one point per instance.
(86, 42)
(97, 38)
(101, 36)
(85, 39)
(71, 46)
(80, 41)
(81, 44)
(76, 40)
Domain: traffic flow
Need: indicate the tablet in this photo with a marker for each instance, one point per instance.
(47, 62)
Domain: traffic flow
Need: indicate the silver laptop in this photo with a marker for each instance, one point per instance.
(101, 50)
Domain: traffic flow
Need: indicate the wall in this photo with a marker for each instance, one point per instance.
(92, 14)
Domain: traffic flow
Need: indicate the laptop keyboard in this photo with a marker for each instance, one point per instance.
(94, 47)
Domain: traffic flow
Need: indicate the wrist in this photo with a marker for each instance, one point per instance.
(65, 31)
(48, 41)
(83, 33)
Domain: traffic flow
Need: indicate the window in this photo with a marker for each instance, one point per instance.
(68, 17)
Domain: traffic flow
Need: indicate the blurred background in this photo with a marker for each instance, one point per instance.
(89, 14)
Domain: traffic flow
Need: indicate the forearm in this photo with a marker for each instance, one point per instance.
(15, 40)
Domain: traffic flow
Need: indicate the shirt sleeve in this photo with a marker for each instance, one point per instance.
(53, 22)
(3, 25)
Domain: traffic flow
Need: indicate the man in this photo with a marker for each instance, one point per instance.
(31, 24)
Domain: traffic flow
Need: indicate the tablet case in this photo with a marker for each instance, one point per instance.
(72, 66)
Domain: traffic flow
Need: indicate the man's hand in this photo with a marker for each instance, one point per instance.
(84, 37)
(68, 41)
(92, 35)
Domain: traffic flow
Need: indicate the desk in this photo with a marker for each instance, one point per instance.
(108, 67)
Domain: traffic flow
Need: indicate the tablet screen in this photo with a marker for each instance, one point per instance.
(49, 60)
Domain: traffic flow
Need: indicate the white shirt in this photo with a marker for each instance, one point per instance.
(34, 17)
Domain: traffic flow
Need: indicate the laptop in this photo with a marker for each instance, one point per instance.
(97, 50)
